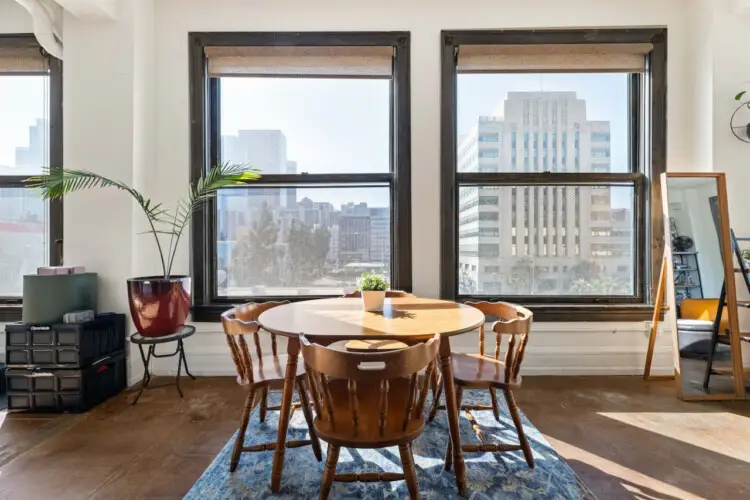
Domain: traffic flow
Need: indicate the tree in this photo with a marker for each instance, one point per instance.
(524, 276)
(599, 286)
(307, 251)
(321, 245)
(585, 270)
(255, 258)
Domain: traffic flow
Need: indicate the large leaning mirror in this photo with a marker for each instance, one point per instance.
(700, 287)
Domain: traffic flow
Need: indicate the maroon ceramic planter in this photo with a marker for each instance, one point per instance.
(159, 306)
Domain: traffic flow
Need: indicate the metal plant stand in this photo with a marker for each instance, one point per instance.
(141, 341)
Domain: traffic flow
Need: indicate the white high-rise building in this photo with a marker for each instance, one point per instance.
(534, 240)
(380, 235)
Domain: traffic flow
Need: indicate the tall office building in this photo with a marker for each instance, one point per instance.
(266, 151)
(33, 157)
(354, 233)
(380, 235)
(289, 195)
(527, 240)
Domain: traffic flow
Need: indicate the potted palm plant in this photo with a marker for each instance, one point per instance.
(372, 287)
(159, 305)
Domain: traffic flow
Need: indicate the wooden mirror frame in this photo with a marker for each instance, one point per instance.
(731, 299)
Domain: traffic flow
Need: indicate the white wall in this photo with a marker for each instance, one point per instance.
(14, 18)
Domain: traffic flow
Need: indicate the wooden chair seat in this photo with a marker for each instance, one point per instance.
(367, 433)
(477, 371)
(269, 371)
(374, 345)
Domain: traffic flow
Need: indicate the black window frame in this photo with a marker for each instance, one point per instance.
(647, 105)
(205, 137)
(10, 307)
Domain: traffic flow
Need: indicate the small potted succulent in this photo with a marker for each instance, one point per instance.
(372, 286)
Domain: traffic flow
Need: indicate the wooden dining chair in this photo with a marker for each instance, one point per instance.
(369, 400)
(259, 374)
(376, 345)
(481, 371)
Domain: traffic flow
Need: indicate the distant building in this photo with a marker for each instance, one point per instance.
(264, 150)
(527, 239)
(289, 195)
(354, 233)
(380, 235)
(33, 157)
(333, 249)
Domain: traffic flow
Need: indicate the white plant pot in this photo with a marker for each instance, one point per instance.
(373, 300)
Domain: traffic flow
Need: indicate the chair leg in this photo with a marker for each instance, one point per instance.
(435, 383)
(495, 408)
(449, 448)
(263, 404)
(410, 473)
(513, 409)
(329, 471)
(240, 441)
(435, 402)
(309, 419)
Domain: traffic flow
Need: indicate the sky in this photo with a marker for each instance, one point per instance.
(23, 99)
(340, 125)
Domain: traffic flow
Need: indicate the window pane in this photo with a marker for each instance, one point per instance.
(313, 125)
(301, 241)
(24, 124)
(546, 240)
(575, 122)
(23, 233)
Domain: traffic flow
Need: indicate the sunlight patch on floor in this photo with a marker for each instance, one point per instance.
(632, 481)
(711, 431)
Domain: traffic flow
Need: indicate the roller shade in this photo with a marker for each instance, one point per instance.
(22, 60)
(558, 58)
(300, 61)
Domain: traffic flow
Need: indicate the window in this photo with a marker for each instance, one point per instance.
(30, 139)
(325, 117)
(600, 137)
(488, 153)
(488, 138)
(556, 89)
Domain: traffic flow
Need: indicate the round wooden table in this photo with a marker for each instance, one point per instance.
(407, 319)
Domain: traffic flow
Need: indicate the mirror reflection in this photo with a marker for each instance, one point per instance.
(702, 321)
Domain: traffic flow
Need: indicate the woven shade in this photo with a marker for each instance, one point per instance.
(558, 58)
(22, 60)
(300, 61)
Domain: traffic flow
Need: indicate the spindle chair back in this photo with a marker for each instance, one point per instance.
(369, 400)
(260, 373)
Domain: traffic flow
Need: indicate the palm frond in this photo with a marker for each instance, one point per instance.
(218, 177)
(55, 183)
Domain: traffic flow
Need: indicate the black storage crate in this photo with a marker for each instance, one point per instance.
(66, 390)
(72, 345)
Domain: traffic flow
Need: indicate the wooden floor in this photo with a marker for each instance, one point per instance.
(625, 437)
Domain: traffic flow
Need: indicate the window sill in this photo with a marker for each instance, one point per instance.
(547, 313)
(592, 312)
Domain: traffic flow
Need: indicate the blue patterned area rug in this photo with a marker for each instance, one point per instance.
(490, 475)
